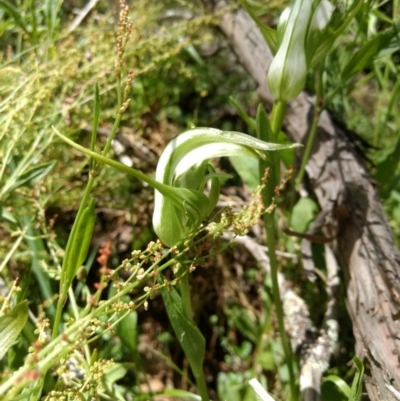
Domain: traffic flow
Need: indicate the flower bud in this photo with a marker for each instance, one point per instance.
(300, 31)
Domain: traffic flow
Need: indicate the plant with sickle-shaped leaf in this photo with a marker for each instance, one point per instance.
(183, 171)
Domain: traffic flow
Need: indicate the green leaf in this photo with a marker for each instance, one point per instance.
(266, 360)
(77, 247)
(8, 216)
(189, 336)
(11, 324)
(194, 54)
(264, 131)
(84, 233)
(127, 330)
(303, 214)
(243, 115)
(114, 373)
(15, 14)
(329, 392)
(247, 168)
(243, 322)
(356, 386)
(229, 386)
(33, 175)
(51, 9)
(327, 42)
(268, 33)
(339, 383)
(381, 44)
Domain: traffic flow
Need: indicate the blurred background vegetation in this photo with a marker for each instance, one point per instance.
(185, 73)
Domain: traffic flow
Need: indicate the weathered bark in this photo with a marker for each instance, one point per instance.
(364, 245)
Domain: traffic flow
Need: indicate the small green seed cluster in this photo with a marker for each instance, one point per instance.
(121, 306)
(5, 301)
(96, 372)
(57, 396)
(250, 215)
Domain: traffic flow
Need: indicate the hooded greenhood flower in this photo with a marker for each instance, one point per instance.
(180, 206)
(184, 165)
(300, 32)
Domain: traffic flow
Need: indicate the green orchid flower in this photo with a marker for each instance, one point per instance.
(180, 204)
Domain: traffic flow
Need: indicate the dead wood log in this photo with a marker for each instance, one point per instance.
(364, 244)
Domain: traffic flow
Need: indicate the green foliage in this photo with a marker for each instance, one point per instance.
(382, 44)
(189, 336)
(46, 81)
(303, 214)
(77, 247)
(11, 324)
(342, 391)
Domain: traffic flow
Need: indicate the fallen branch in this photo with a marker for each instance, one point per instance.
(314, 348)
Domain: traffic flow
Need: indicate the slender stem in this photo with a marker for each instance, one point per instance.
(269, 222)
(278, 114)
(202, 386)
(112, 134)
(117, 119)
(277, 117)
(313, 129)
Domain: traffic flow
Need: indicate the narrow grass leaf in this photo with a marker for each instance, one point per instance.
(242, 321)
(387, 168)
(268, 33)
(356, 386)
(15, 14)
(339, 383)
(8, 216)
(37, 248)
(194, 54)
(11, 324)
(251, 122)
(33, 175)
(382, 44)
(51, 9)
(327, 42)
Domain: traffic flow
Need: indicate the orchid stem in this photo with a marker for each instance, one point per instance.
(268, 193)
